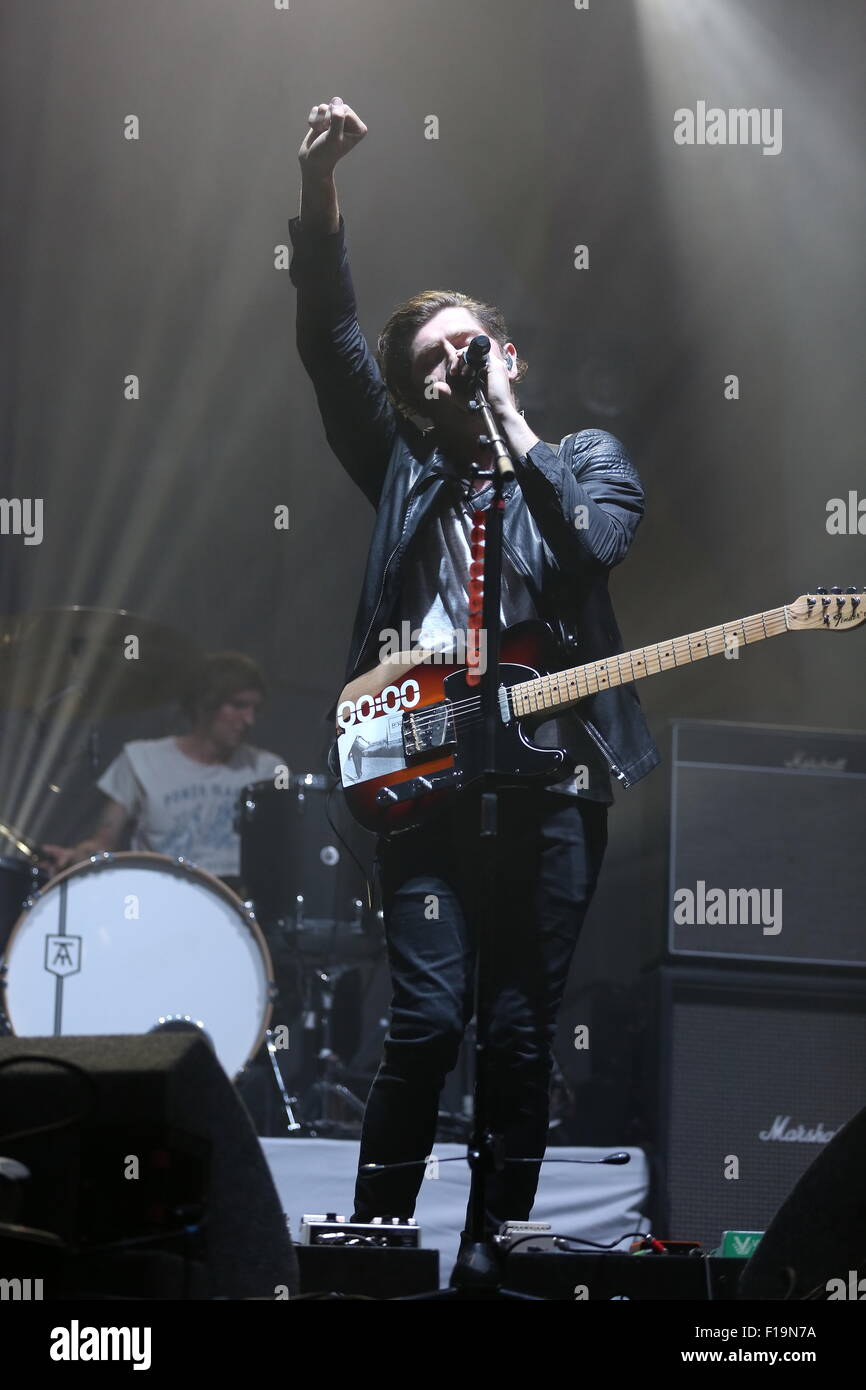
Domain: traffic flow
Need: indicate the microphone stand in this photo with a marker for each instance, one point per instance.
(478, 1263)
(477, 1272)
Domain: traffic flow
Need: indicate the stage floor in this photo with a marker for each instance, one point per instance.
(596, 1203)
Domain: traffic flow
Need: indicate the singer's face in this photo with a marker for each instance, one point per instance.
(435, 351)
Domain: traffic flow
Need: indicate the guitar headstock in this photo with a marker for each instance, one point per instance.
(831, 609)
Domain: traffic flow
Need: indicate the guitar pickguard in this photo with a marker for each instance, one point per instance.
(390, 742)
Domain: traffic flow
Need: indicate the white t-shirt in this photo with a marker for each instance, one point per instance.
(183, 807)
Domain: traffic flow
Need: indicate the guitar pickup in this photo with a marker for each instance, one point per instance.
(428, 730)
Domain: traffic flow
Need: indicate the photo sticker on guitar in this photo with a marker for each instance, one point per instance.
(376, 750)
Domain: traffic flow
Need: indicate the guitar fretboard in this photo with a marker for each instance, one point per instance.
(563, 688)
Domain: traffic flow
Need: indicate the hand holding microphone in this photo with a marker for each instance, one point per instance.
(472, 364)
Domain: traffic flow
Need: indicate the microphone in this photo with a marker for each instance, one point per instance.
(476, 357)
(478, 351)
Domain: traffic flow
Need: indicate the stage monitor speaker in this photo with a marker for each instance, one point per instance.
(141, 1169)
(766, 854)
(815, 1246)
(746, 1077)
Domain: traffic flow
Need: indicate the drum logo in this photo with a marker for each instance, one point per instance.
(63, 955)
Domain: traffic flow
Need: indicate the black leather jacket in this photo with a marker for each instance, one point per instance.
(400, 470)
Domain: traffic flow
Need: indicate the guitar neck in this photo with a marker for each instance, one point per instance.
(563, 688)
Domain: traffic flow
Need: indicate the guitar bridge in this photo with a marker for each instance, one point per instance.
(428, 730)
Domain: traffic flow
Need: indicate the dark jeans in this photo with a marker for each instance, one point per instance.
(551, 849)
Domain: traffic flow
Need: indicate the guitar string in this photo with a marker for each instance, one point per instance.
(460, 708)
(463, 709)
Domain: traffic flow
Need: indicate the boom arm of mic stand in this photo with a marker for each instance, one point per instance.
(498, 447)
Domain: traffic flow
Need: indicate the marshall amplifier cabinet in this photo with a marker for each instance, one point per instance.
(767, 857)
(747, 1076)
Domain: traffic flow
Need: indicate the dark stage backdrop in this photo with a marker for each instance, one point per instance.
(162, 258)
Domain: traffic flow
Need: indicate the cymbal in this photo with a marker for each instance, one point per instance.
(11, 838)
(90, 662)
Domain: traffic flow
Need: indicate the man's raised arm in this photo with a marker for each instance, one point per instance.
(358, 415)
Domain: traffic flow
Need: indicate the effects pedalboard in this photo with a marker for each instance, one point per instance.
(385, 1232)
(388, 1261)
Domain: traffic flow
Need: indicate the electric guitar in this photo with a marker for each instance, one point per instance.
(410, 736)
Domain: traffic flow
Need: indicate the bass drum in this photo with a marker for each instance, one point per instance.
(135, 942)
(19, 880)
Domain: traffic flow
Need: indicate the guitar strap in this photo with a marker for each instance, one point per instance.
(476, 595)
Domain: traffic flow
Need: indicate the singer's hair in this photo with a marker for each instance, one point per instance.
(395, 341)
(215, 678)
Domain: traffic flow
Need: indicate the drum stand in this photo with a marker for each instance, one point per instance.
(333, 1094)
(335, 1098)
(292, 1125)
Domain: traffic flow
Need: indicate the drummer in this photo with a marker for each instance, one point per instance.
(178, 795)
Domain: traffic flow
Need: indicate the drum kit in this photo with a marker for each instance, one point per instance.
(134, 942)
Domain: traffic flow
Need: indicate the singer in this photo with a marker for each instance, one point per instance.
(400, 424)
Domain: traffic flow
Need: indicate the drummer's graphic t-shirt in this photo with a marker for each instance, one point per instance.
(183, 807)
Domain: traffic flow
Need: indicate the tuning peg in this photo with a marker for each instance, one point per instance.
(821, 590)
(853, 589)
(835, 589)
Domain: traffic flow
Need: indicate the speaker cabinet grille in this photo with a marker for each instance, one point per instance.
(751, 1067)
(777, 810)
